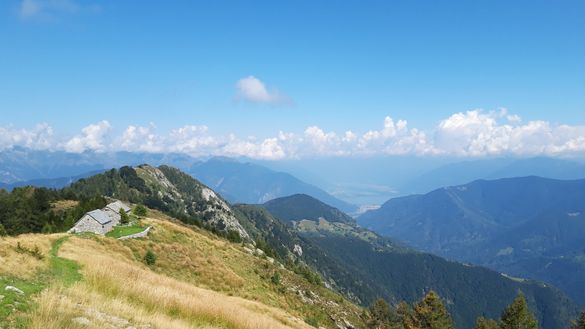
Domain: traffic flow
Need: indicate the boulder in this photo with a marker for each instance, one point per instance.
(14, 289)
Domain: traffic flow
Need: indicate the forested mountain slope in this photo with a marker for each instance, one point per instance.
(384, 268)
(530, 227)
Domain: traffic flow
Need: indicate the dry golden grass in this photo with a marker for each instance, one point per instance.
(198, 257)
(64, 204)
(23, 265)
(198, 281)
(191, 256)
(131, 291)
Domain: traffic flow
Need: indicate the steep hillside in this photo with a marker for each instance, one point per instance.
(250, 183)
(167, 189)
(306, 207)
(385, 268)
(198, 280)
(530, 227)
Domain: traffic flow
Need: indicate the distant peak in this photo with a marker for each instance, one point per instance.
(223, 159)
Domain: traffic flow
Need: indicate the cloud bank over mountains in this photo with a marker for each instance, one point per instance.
(475, 133)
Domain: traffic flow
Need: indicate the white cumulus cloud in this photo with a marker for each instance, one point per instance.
(253, 90)
(139, 138)
(480, 133)
(92, 138)
(39, 137)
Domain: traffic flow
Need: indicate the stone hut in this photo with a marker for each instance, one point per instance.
(113, 210)
(101, 221)
(96, 221)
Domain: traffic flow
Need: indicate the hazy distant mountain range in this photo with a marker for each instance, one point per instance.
(341, 182)
(49, 182)
(21, 164)
(250, 183)
(372, 181)
(463, 172)
(236, 181)
(531, 227)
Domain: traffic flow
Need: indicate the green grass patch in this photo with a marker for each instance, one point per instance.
(120, 231)
(61, 269)
(14, 306)
(12, 303)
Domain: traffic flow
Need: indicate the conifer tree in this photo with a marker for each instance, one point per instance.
(580, 323)
(124, 218)
(405, 318)
(140, 210)
(483, 323)
(379, 314)
(430, 313)
(518, 316)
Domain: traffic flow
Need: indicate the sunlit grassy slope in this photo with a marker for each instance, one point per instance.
(198, 281)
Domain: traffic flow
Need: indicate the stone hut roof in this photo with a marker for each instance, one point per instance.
(100, 216)
(117, 205)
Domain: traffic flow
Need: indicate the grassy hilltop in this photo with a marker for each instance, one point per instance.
(198, 280)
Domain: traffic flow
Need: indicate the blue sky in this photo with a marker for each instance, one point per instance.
(335, 65)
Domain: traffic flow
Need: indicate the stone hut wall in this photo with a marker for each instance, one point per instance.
(88, 224)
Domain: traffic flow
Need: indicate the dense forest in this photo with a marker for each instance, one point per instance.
(42, 210)
(431, 313)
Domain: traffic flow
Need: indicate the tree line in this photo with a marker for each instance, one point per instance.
(431, 313)
(32, 210)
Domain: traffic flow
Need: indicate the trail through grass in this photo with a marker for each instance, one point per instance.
(14, 306)
(63, 270)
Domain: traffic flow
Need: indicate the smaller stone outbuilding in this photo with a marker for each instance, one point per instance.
(113, 210)
(100, 221)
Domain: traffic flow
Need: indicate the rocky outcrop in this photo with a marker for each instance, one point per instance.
(195, 198)
(222, 214)
(298, 250)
